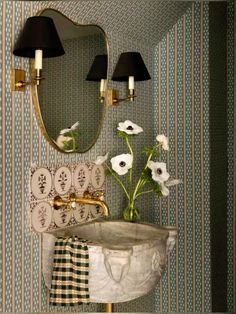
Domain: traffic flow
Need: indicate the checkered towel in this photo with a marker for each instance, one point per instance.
(70, 272)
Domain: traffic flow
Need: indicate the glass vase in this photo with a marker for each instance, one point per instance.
(131, 213)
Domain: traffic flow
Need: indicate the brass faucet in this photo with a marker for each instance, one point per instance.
(88, 198)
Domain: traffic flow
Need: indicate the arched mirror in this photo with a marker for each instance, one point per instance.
(68, 108)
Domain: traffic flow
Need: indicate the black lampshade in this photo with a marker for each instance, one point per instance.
(98, 69)
(130, 64)
(39, 32)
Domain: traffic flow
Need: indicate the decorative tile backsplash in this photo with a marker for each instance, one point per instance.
(49, 182)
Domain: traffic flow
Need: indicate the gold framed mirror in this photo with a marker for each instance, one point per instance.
(68, 109)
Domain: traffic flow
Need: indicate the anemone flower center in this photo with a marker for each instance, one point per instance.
(159, 171)
(130, 128)
(122, 164)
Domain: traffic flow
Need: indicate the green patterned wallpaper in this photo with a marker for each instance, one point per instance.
(181, 110)
(22, 144)
(231, 101)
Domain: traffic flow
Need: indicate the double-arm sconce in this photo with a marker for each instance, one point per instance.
(129, 68)
(38, 39)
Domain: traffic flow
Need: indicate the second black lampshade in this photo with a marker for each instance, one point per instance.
(98, 70)
(39, 32)
(130, 64)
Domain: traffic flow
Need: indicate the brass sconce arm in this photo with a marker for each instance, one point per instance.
(72, 200)
(18, 81)
(112, 97)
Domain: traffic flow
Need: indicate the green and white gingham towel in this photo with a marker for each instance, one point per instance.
(70, 272)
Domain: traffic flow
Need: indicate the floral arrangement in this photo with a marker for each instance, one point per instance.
(154, 177)
(68, 138)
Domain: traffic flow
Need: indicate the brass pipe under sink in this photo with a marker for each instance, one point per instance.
(109, 307)
(88, 198)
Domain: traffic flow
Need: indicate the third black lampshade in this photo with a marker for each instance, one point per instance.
(39, 32)
(130, 64)
(98, 69)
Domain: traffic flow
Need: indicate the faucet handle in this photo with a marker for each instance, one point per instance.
(58, 202)
(87, 195)
(99, 195)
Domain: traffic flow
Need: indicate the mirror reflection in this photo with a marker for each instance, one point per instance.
(70, 104)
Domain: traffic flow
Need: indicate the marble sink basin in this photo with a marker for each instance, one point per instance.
(126, 259)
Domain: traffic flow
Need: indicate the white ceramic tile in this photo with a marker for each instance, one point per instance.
(41, 183)
(62, 180)
(97, 177)
(62, 216)
(41, 216)
(81, 212)
(81, 178)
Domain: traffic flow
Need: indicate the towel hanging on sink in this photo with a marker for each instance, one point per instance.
(70, 272)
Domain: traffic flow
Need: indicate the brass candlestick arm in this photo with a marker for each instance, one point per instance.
(112, 97)
(18, 81)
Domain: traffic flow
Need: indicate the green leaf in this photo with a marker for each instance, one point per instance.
(122, 134)
(158, 193)
(76, 133)
(155, 152)
(147, 175)
(151, 151)
(156, 187)
(108, 172)
(147, 150)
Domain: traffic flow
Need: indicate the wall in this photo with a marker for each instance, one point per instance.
(182, 112)
(21, 283)
(183, 76)
(231, 148)
(218, 147)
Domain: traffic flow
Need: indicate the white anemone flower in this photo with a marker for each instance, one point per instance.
(163, 140)
(164, 186)
(64, 131)
(173, 182)
(122, 163)
(75, 126)
(159, 173)
(101, 159)
(129, 127)
(61, 140)
(164, 190)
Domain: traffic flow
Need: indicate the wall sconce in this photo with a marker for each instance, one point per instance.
(38, 39)
(130, 68)
(98, 73)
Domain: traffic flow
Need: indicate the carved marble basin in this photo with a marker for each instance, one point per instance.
(126, 259)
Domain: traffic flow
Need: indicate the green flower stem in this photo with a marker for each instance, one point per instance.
(118, 180)
(131, 169)
(129, 146)
(144, 192)
(73, 140)
(141, 182)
